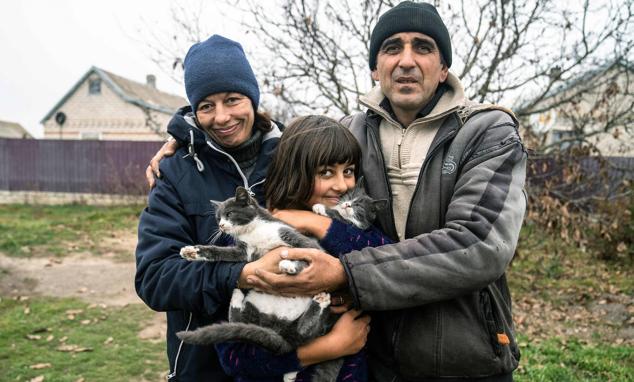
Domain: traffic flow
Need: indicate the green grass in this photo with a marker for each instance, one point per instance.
(28, 230)
(124, 358)
(558, 361)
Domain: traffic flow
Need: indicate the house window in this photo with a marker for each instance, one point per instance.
(94, 86)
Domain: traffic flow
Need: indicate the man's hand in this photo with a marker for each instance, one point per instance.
(167, 150)
(324, 273)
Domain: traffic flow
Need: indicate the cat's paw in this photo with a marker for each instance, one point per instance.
(190, 253)
(289, 267)
(290, 377)
(320, 209)
(323, 299)
(237, 299)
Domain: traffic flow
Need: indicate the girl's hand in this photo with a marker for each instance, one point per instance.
(350, 333)
(348, 336)
(305, 221)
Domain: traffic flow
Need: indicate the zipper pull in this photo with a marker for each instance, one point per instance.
(399, 146)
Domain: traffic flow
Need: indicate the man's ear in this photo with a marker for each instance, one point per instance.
(443, 73)
(375, 75)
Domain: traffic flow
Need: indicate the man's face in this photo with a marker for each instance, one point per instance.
(409, 70)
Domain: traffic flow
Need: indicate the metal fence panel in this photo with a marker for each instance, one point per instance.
(108, 167)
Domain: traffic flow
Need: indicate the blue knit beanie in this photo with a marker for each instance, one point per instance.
(218, 65)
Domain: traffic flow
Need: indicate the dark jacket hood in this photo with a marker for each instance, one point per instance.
(183, 128)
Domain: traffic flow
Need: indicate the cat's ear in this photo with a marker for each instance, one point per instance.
(360, 183)
(380, 204)
(215, 203)
(242, 195)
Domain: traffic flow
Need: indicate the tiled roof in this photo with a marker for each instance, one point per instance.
(146, 93)
(137, 93)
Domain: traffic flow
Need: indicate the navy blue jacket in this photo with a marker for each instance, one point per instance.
(179, 213)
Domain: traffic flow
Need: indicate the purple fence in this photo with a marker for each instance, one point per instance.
(104, 167)
(118, 167)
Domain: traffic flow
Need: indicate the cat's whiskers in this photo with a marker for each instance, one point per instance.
(215, 235)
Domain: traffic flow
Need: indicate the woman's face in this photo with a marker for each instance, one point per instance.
(227, 117)
(331, 182)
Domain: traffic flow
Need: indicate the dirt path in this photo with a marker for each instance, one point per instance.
(93, 280)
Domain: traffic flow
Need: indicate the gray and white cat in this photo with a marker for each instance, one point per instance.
(355, 206)
(279, 324)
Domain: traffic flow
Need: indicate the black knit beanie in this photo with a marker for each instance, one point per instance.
(409, 16)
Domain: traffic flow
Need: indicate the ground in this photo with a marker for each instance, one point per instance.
(572, 311)
(108, 279)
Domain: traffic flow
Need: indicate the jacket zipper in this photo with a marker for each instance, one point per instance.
(178, 353)
(399, 147)
(495, 329)
(244, 178)
(387, 182)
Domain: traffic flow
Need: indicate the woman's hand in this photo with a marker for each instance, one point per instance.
(347, 337)
(305, 221)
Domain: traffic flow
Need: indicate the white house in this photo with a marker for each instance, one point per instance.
(103, 105)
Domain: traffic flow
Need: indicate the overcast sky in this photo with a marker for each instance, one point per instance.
(46, 46)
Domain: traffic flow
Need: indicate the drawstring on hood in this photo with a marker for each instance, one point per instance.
(192, 153)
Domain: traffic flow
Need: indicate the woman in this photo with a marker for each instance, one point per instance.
(225, 143)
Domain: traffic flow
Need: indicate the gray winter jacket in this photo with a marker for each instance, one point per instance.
(441, 303)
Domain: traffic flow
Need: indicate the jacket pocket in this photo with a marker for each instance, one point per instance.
(201, 216)
(499, 323)
(496, 333)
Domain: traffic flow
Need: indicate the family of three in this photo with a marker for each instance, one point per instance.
(422, 293)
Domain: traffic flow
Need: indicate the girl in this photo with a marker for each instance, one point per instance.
(317, 161)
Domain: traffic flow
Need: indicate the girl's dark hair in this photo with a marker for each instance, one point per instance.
(307, 143)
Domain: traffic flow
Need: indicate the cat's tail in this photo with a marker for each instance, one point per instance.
(237, 332)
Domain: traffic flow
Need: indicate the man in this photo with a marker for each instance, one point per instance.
(454, 173)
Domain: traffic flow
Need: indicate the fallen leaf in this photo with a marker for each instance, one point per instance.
(40, 366)
(33, 337)
(27, 310)
(85, 322)
(37, 379)
(72, 349)
(108, 341)
(74, 311)
(50, 338)
(63, 339)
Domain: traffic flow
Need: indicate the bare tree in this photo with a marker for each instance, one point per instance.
(312, 55)
(570, 59)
